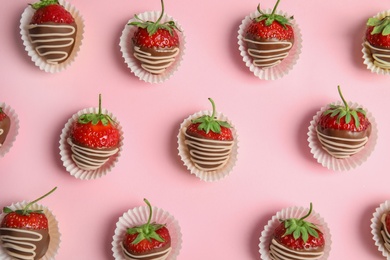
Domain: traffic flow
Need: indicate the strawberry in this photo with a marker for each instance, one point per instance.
(96, 131)
(25, 232)
(156, 44)
(378, 40)
(50, 11)
(5, 124)
(52, 31)
(269, 38)
(148, 240)
(209, 127)
(298, 235)
(343, 131)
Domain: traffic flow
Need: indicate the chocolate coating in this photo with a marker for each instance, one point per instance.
(345, 134)
(11, 239)
(5, 125)
(53, 42)
(267, 52)
(155, 253)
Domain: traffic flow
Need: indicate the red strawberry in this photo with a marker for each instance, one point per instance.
(343, 131)
(269, 38)
(26, 229)
(150, 239)
(298, 235)
(156, 44)
(209, 142)
(5, 124)
(52, 31)
(96, 131)
(209, 127)
(94, 139)
(378, 40)
(50, 11)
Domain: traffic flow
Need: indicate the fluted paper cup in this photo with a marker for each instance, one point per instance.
(40, 62)
(368, 60)
(54, 232)
(332, 163)
(279, 70)
(293, 212)
(376, 226)
(66, 153)
(126, 46)
(139, 216)
(213, 175)
(13, 131)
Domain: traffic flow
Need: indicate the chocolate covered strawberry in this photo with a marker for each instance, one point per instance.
(209, 141)
(269, 38)
(147, 241)
(378, 41)
(94, 138)
(155, 44)
(385, 230)
(5, 124)
(24, 233)
(297, 239)
(343, 131)
(52, 31)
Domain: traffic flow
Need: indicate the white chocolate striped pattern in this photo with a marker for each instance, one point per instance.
(47, 43)
(280, 252)
(202, 149)
(155, 256)
(156, 64)
(378, 58)
(20, 244)
(339, 150)
(271, 57)
(385, 234)
(82, 156)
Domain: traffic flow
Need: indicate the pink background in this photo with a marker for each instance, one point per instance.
(275, 169)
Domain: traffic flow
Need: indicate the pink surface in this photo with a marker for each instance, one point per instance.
(275, 169)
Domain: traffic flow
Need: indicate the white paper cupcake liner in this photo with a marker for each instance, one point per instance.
(66, 153)
(13, 131)
(127, 51)
(139, 216)
(293, 212)
(208, 176)
(54, 232)
(39, 62)
(376, 227)
(367, 57)
(331, 162)
(285, 66)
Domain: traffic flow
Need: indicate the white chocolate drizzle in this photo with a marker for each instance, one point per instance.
(156, 64)
(15, 244)
(385, 234)
(162, 255)
(268, 58)
(90, 159)
(213, 153)
(56, 37)
(280, 252)
(378, 57)
(340, 150)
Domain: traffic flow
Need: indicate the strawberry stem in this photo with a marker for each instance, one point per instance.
(100, 104)
(213, 104)
(162, 12)
(25, 210)
(308, 213)
(150, 212)
(342, 98)
(276, 5)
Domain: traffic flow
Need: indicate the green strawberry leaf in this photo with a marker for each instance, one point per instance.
(43, 3)
(94, 118)
(208, 123)
(146, 231)
(281, 19)
(380, 25)
(373, 21)
(152, 27)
